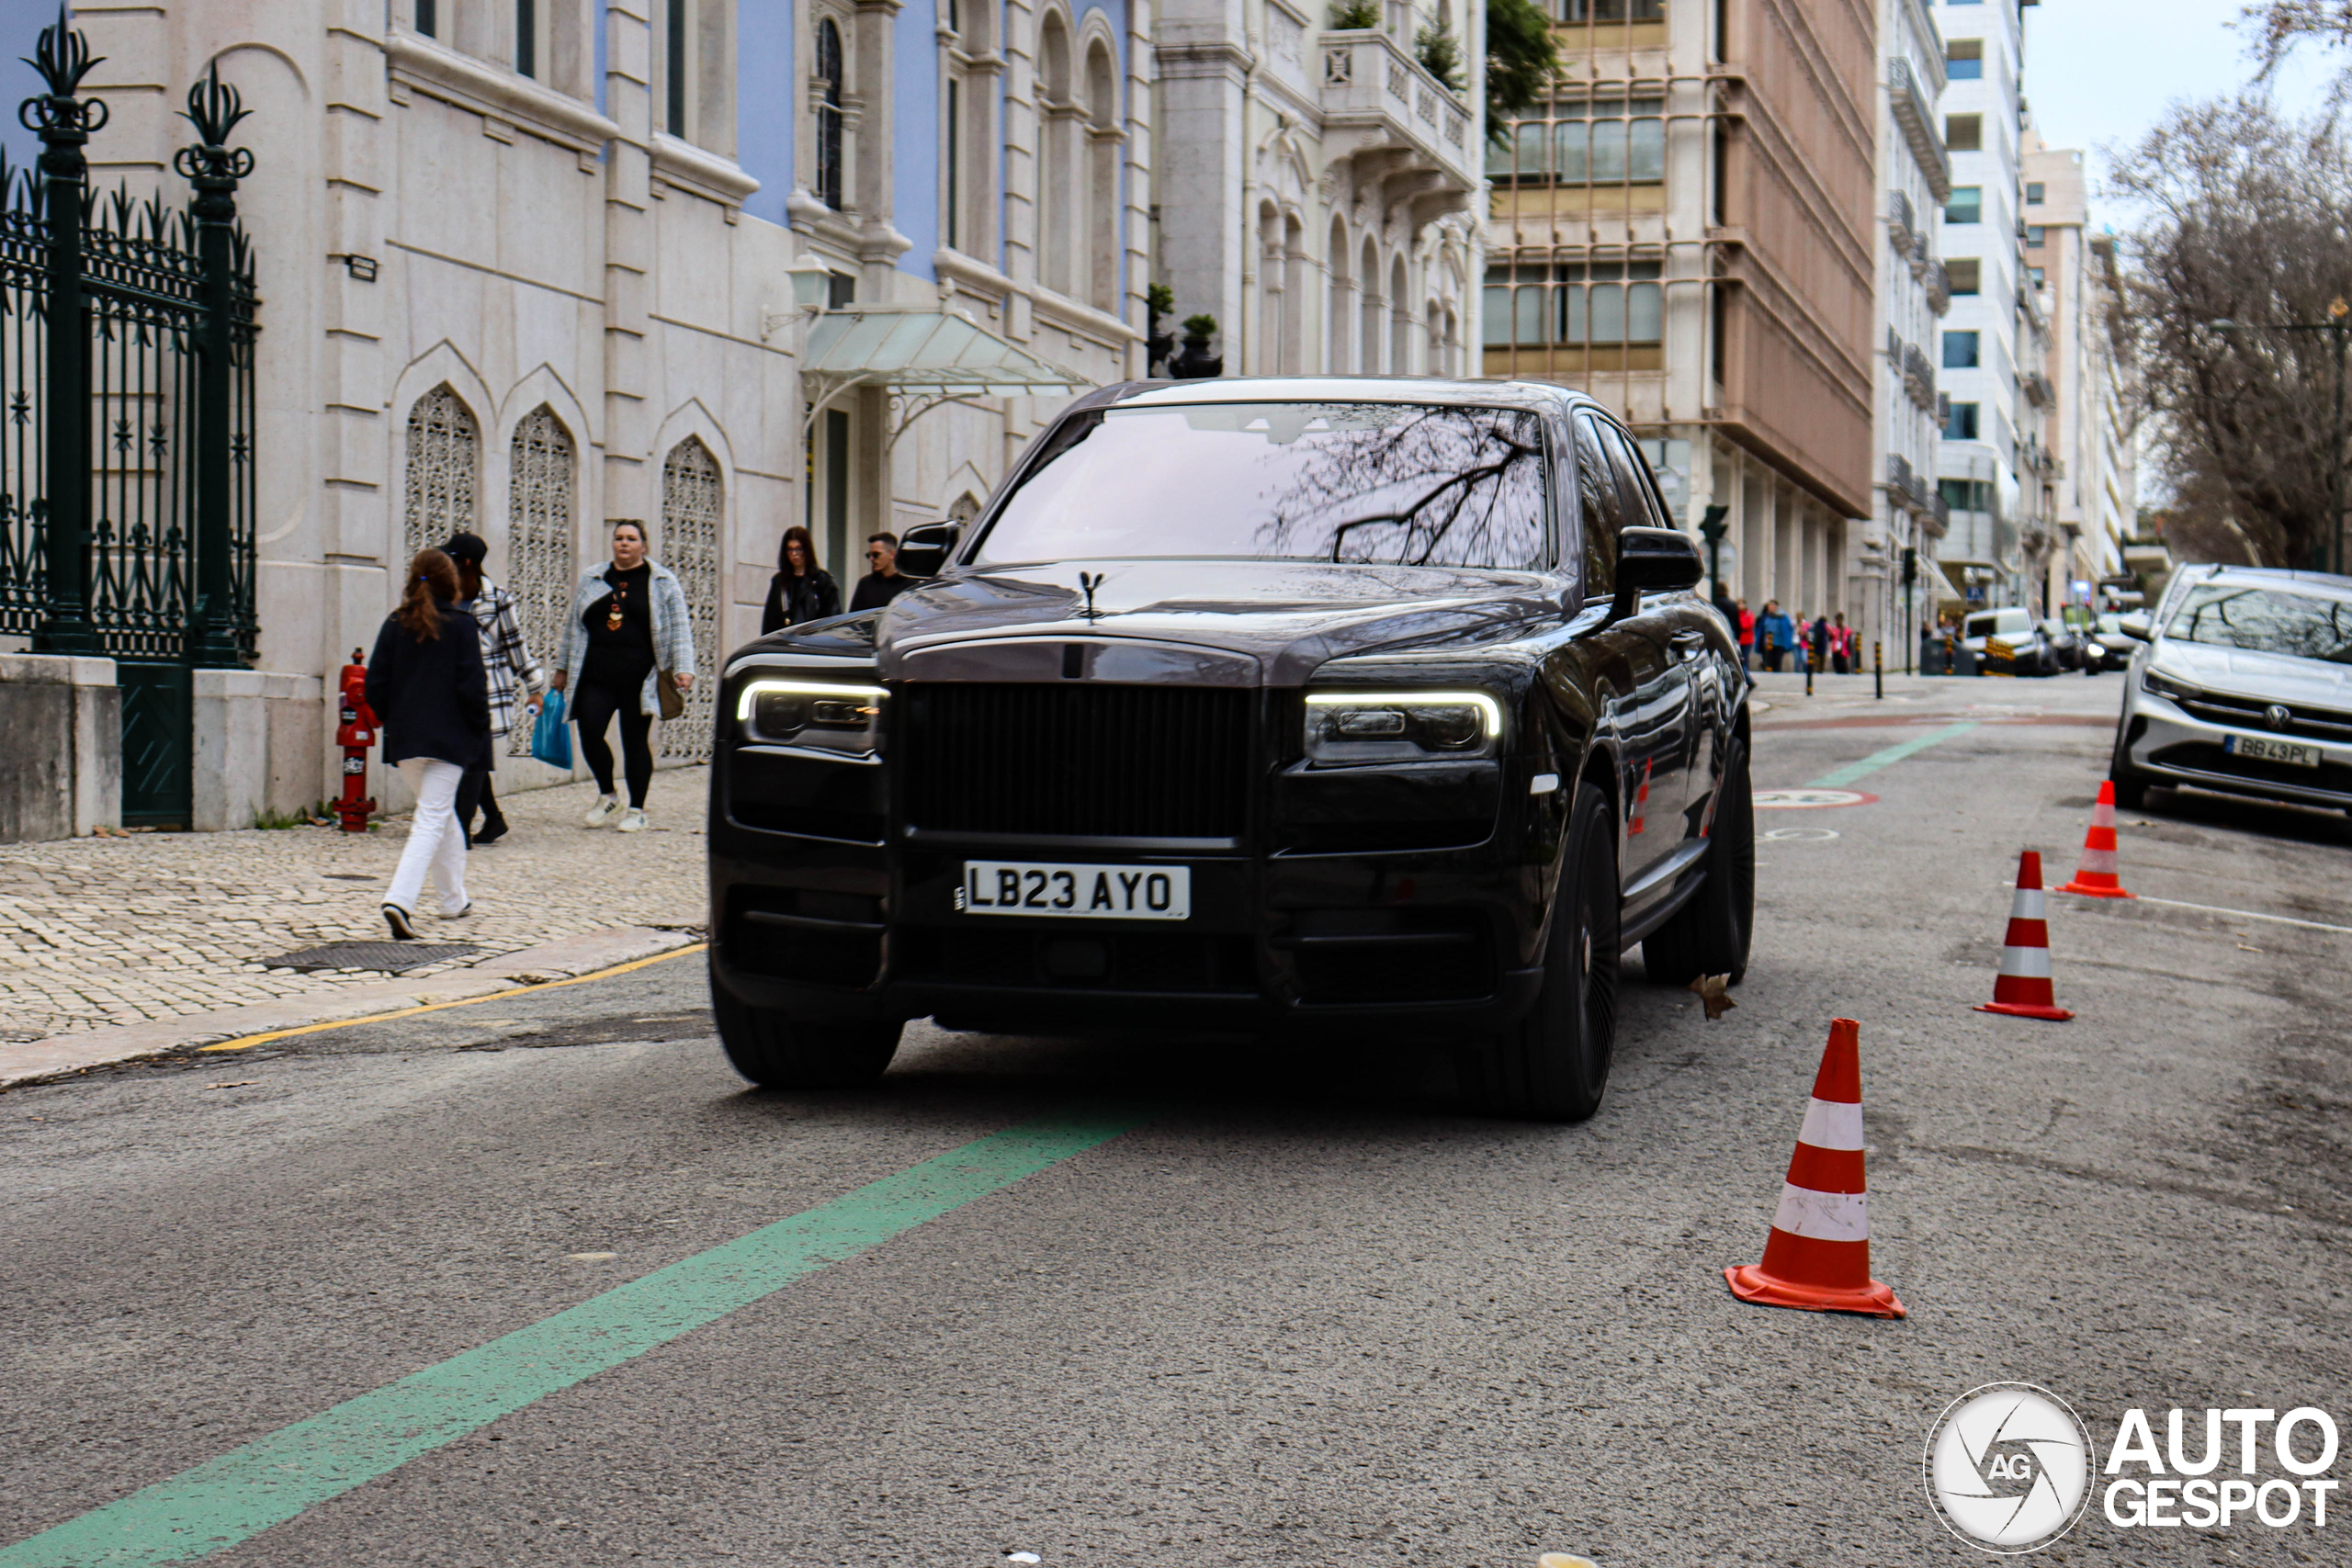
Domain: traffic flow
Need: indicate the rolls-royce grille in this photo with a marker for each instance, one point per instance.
(1084, 761)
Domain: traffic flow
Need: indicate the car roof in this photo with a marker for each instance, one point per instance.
(2326, 581)
(1425, 389)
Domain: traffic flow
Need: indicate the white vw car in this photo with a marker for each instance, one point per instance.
(2245, 684)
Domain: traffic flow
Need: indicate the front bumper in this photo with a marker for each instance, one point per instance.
(862, 926)
(2166, 743)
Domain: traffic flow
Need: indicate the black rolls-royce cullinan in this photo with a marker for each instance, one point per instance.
(1358, 706)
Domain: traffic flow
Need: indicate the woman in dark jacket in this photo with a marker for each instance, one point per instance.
(432, 698)
(802, 590)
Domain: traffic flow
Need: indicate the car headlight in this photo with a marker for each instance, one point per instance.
(814, 714)
(1400, 727)
(2165, 686)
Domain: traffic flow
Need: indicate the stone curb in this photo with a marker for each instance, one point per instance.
(62, 1054)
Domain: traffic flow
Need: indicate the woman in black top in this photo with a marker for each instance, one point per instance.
(629, 622)
(801, 591)
(433, 699)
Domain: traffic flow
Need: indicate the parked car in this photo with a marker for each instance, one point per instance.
(2106, 646)
(1362, 708)
(2007, 642)
(2064, 643)
(2244, 686)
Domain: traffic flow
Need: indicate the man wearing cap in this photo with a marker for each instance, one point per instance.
(507, 661)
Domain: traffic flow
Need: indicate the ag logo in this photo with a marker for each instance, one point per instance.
(2007, 1467)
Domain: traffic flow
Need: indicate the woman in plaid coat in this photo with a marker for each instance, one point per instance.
(506, 661)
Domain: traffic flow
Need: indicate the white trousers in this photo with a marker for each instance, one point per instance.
(435, 841)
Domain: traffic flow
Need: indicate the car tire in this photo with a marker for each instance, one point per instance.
(1553, 1065)
(1710, 935)
(774, 1050)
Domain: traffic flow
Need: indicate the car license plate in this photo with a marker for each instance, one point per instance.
(1096, 892)
(2263, 749)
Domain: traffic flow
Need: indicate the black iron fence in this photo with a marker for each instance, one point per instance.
(126, 456)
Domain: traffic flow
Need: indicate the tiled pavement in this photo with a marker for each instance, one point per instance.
(99, 931)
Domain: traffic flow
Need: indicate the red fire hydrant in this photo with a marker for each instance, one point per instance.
(354, 735)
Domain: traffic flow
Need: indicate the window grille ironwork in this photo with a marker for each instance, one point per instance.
(540, 567)
(692, 513)
(444, 448)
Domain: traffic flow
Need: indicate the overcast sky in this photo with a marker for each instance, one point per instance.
(2102, 71)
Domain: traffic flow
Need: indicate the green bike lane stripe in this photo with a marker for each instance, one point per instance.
(229, 1499)
(1843, 776)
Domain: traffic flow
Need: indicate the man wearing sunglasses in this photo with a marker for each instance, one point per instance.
(885, 581)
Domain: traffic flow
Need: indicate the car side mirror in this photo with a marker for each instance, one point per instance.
(2136, 626)
(1655, 560)
(925, 551)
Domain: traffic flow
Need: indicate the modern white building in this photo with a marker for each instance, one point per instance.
(1908, 514)
(1991, 384)
(2095, 471)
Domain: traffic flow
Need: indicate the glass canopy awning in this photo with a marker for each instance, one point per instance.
(926, 358)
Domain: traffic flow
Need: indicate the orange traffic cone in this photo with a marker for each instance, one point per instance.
(1818, 1255)
(2022, 987)
(2096, 877)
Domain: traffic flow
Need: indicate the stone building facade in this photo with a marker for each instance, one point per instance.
(2092, 439)
(1688, 232)
(529, 265)
(1316, 182)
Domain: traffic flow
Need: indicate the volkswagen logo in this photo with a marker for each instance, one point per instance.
(2278, 715)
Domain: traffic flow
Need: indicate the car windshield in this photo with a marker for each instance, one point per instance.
(1377, 483)
(2111, 624)
(2265, 620)
(2000, 623)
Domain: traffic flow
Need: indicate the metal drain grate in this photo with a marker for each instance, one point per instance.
(392, 957)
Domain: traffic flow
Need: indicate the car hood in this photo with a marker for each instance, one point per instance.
(2263, 677)
(1245, 623)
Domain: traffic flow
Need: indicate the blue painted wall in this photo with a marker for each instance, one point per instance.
(915, 146)
(764, 97)
(20, 25)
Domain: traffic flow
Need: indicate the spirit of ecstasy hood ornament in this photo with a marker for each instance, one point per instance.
(1090, 580)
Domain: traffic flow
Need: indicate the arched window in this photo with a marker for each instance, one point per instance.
(444, 448)
(1101, 132)
(1058, 191)
(829, 113)
(1334, 318)
(693, 512)
(1369, 362)
(540, 465)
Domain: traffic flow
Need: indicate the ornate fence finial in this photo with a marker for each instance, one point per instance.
(62, 57)
(214, 108)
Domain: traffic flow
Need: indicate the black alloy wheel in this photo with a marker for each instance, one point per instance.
(774, 1050)
(1553, 1065)
(1710, 934)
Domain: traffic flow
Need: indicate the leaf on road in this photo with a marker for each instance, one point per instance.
(1713, 990)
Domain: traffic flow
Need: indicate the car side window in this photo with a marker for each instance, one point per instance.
(1641, 508)
(1603, 509)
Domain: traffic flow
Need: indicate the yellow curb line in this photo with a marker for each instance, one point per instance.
(251, 1040)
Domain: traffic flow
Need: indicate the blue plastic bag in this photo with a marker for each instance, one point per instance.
(550, 741)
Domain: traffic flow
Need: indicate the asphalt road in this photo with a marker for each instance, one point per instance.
(1305, 1312)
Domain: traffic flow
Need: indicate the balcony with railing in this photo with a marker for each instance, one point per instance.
(1915, 113)
(1383, 107)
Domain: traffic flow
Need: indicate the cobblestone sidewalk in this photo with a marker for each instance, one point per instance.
(99, 931)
